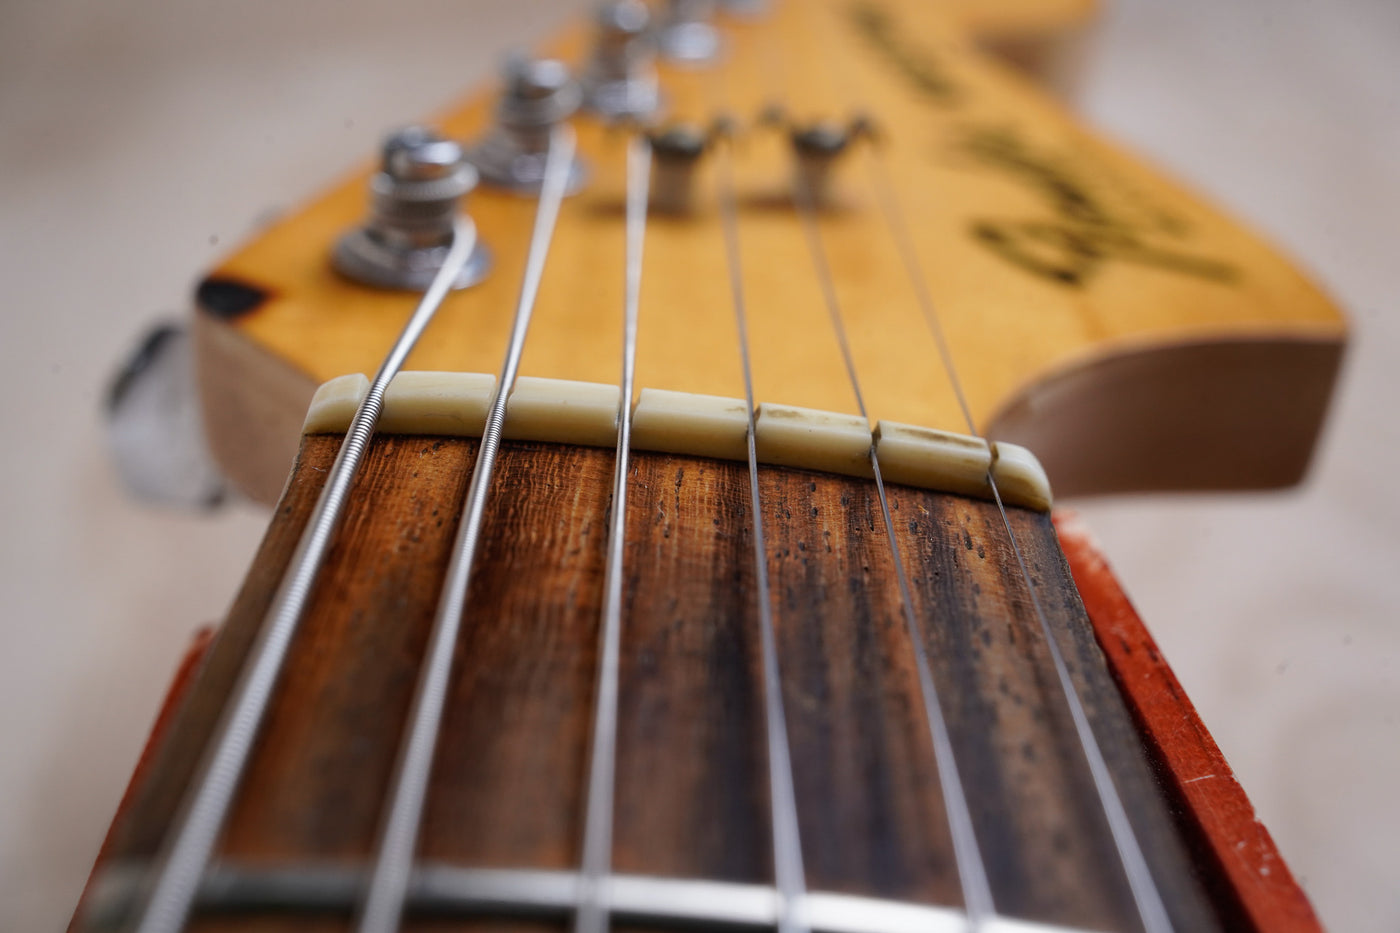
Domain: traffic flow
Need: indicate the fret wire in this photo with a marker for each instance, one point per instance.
(394, 859)
(315, 889)
(591, 916)
(789, 877)
(201, 819)
(1146, 896)
(972, 872)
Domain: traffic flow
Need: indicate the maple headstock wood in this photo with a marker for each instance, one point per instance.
(1099, 313)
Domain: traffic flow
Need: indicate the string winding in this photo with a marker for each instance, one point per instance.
(181, 866)
(393, 863)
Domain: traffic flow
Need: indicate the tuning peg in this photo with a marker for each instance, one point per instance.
(620, 80)
(414, 199)
(537, 95)
(686, 34)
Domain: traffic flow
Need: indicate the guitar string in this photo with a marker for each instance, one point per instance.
(394, 857)
(1146, 895)
(181, 866)
(592, 914)
(967, 855)
(788, 874)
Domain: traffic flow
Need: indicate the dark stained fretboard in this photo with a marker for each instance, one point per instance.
(692, 791)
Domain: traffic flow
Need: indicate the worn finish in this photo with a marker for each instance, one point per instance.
(692, 797)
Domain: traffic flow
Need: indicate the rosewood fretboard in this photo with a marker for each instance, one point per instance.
(692, 798)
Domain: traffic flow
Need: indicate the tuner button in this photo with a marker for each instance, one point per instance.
(620, 81)
(414, 199)
(537, 94)
(687, 36)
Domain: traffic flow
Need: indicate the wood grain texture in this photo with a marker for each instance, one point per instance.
(692, 797)
(1045, 250)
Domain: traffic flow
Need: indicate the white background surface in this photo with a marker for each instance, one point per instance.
(139, 140)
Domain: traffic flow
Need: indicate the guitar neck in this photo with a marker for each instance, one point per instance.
(692, 800)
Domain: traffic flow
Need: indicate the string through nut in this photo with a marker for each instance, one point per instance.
(620, 81)
(537, 95)
(676, 153)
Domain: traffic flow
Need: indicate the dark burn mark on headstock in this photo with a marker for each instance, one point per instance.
(228, 299)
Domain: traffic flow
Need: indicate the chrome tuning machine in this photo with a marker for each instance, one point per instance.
(619, 81)
(687, 34)
(537, 95)
(414, 200)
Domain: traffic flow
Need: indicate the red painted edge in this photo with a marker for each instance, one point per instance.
(179, 686)
(1251, 883)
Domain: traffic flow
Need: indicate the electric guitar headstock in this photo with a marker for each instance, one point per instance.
(1096, 312)
(730, 598)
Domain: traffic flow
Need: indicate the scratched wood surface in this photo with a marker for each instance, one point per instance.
(692, 795)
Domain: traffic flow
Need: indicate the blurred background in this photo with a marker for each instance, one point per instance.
(140, 140)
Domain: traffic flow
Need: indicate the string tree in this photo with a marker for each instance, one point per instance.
(620, 80)
(415, 198)
(537, 94)
(817, 147)
(677, 150)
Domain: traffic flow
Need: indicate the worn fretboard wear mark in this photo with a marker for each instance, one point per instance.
(692, 790)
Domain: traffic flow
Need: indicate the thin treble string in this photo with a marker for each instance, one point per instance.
(394, 861)
(972, 872)
(1146, 895)
(592, 913)
(182, 864)
(789, 876)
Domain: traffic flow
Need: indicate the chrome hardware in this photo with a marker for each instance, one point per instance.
(676, 153)
(816, 148)
(620, 80)
(686, 34)
(537, 95)
(414, 200)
